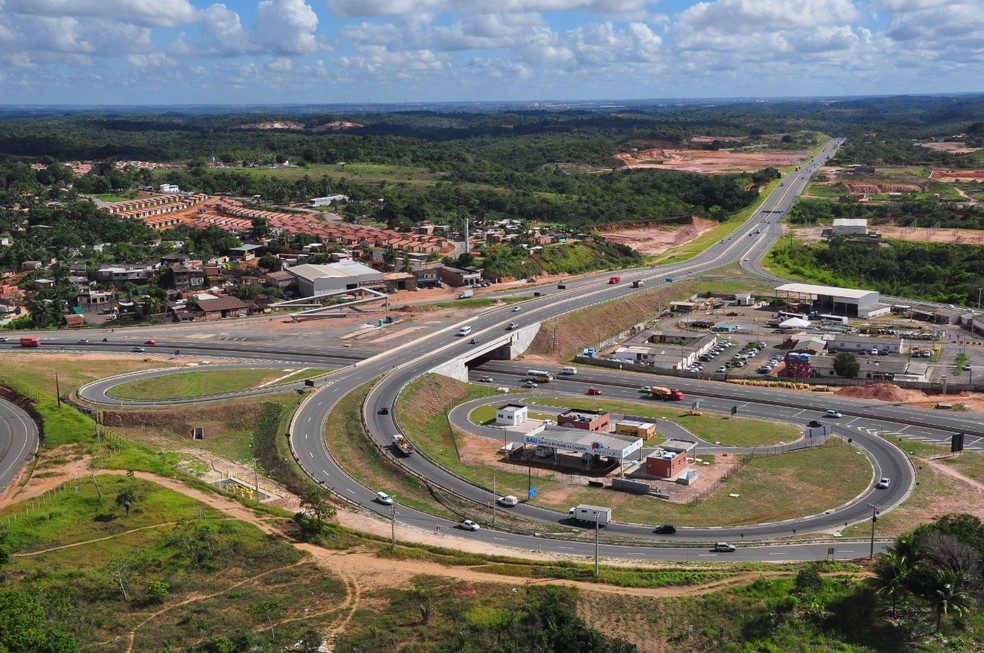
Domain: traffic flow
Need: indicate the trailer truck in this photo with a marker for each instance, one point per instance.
(465, 294)
(401, 444)
(666, 394)
(590, 514)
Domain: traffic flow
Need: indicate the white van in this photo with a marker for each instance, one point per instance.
(464, 331)
(569, 370)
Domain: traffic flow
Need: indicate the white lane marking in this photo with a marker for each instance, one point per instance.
(311, 454)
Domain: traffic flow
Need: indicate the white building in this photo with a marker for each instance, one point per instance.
(849, 227)
(511, 415)
(314, 280)
(169, 188)
(328, 200)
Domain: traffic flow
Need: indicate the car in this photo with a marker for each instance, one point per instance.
(665, 529)
(512, 326)
(549, 422)
(722, 369)
(645, 388)
(516, 309)
(594, 391)
(4, 339)
(883, 483)
(836, 414)
(723, 547)
(486, 379)
(967, 367)
(151, 342)
(383, 411)
(927, 354)
(508, 500)
(138, 349)
(530, 384)
(473, 341)
(814, 424)
(469, 525)
(384, 498)
(83, 340)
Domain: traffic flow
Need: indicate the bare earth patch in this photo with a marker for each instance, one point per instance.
(915, 234)
(649, 240)
(710, 161)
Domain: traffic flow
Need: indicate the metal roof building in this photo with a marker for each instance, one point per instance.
(314, 280)
(830, 299)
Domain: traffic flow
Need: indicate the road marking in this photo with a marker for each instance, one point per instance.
(778, 554)
(311, 454)
(325, 472)
(305, 436)
(348, 489)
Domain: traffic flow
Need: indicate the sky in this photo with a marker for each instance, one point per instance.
(392, 51)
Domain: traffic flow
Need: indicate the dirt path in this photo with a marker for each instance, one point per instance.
(943, 469)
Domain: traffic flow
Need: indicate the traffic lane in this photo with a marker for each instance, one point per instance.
(19, 440)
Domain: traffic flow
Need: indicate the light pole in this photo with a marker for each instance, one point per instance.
(874, 518)
(979, 298)
(596, 542)
(493, 500)
(393, 527)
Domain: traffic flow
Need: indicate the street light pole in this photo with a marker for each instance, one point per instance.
(393, 527)
(596, 543)
(493, 500)
(874, 518)
(979, 298)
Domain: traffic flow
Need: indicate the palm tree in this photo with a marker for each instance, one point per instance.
(948, 596)
(892, 575)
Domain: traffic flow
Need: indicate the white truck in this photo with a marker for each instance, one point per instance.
(401, 444)
(587, 514)
(465, 294)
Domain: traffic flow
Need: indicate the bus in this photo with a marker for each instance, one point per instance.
(540, 376)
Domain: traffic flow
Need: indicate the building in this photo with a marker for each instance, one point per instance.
(586, 420)
(456, 277)
(281, 280)
(220, 307)
(836, 301)
(328, 200)
(511, 414)
(856, 344)
(314, 280)
(186, 278)
(169, 188)
(635, 428)
(849, 227)
(120, 275)
(670, 459)
(592, 447)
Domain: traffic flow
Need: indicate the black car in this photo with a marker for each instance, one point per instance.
(814, 424)
(383, 411)
(665, 529)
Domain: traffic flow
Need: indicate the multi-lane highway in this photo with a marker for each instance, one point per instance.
(404, 363)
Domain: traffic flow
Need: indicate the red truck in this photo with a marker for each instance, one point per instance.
(666, 394)
(30, 342)
(614, 279)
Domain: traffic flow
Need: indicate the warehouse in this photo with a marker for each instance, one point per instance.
(837, 301)
(314, 280)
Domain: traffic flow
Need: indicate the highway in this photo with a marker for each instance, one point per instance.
(18, 441)
(404, 363)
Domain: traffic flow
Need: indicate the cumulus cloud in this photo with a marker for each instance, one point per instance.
(367, 8)
(286, 27)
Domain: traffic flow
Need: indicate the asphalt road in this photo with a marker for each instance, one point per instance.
(18, 441)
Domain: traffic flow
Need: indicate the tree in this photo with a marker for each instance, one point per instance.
(24, 627)
(158, 590)
(317, 502)
(126, 498)
(846, 365)
(948, 596)
(892, 576)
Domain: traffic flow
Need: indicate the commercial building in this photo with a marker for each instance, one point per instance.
(635, 428)
(670, 459)
(314, 280)
(837, 301)
(585, 420)
(849, 227)
(592, 446)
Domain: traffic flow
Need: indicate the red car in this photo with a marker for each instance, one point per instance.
(594, 391)
(151, 342)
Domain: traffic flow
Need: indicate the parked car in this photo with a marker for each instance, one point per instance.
(594, 391)
(724, 547)
(384, 498)
(833, 413)
(883, 483)
(665, 529)
(469, 525)
(722, 369)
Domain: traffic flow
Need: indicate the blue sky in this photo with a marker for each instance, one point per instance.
(329, 51)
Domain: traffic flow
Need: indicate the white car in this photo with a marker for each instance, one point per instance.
(508, 500)
(516, 309)
(469, 525)
(384, 498)
(724, 547)
(645, 388)
(512, 326)
(530, 384)
(883, 483)
(833, 413)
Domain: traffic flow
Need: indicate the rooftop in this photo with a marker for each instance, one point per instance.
(809, 289)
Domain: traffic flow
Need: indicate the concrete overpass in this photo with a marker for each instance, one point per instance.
(492, 345)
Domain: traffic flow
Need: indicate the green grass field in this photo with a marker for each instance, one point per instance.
(201, 383)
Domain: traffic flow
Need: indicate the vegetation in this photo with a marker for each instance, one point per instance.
(200, 384)
(909, 213)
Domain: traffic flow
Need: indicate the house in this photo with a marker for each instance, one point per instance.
(456, 277)
(187, 278)
(28, 266)
(119, 275)
(281, 280)
(670, 459)
(220, 307)
(849, 227)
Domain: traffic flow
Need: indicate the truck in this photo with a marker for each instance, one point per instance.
(465, 294)
(614, 279)
(637, 283)
(30, 342)
(588, 514)
(666, 394)
(401, 444)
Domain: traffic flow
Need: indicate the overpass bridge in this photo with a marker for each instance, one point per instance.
(491, 344)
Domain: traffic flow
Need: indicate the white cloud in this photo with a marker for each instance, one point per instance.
(152, 60)
(148, 13)
(287, 27)
(625, 9)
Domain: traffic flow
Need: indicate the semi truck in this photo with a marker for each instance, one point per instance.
(465, 294)
(402, 445)
(590, 514)
(666, 394)
(30, 342)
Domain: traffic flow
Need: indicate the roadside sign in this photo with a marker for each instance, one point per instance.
(532, 492)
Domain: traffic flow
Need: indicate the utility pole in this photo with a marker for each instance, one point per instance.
(979, 298)
(596, 543)
(493, 500)
(393, 527)
(57, 390)
(874, 518)
(256, 483)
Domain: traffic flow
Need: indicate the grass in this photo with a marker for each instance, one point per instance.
(364, 173)
(204, 383)
(39, 369)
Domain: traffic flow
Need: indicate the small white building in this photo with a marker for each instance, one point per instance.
(170, 188)
(849, 227)
(511, 415)
(328, 200)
